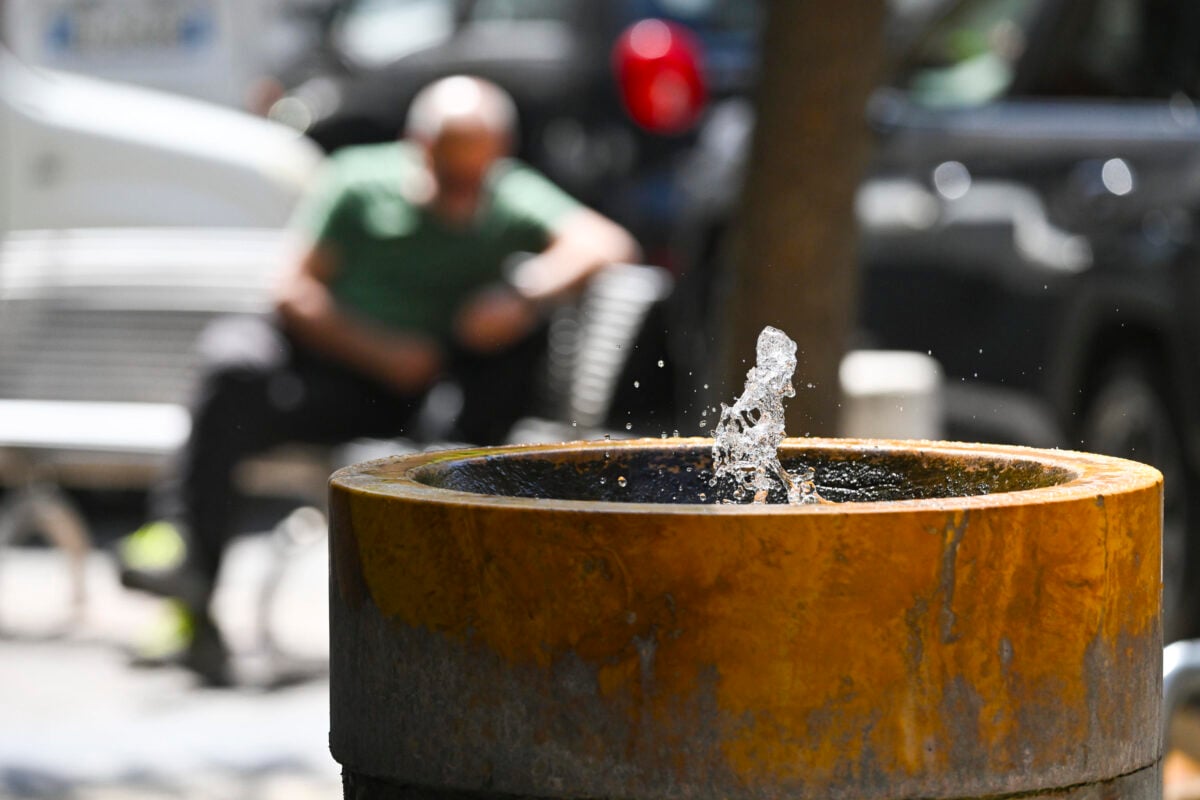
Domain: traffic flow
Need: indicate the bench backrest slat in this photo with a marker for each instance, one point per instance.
(118, 320)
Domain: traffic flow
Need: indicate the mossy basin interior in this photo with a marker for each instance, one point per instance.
(680, 472)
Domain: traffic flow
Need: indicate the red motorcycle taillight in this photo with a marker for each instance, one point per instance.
(657, 65)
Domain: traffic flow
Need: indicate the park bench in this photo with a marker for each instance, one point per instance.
(97, 333)
(96, 359)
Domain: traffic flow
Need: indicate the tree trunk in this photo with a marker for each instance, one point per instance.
(793, 252)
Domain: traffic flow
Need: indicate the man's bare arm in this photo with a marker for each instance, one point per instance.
(585, 242)
(496, 317)
(408, 362)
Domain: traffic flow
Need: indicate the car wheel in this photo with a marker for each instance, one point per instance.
(1127, 414)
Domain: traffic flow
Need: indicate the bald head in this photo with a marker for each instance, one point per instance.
(461, 104)
(463, 125)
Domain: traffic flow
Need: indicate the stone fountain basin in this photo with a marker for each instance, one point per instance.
(962, 621)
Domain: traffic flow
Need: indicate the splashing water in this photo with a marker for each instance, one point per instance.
(748, 435)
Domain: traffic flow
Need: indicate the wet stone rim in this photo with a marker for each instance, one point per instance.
(672, 475)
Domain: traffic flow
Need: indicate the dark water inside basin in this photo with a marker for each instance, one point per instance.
(682, 474)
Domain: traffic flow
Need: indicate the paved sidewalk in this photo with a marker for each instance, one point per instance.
(78, 722)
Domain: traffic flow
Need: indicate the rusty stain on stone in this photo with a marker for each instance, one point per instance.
(717, 651)
(955, 529)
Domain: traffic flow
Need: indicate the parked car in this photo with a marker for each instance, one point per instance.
(127, 218)
(1030, 220)
(83, 153)
(214, 50)
(606, 108)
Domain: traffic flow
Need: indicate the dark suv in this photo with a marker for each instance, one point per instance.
(1030, 220)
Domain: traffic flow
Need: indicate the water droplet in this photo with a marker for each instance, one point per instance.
(603, 480)
(703, 496)
(607, 437)
(628, 426)
(664, 434)
(621, 481)
(706, 386)
(660, 363)
(703, 423)
(636, 384)
(675, 433)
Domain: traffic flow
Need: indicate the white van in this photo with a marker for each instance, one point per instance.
(81, 153)
(213, 50)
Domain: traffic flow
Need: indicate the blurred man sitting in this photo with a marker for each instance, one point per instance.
(400, 283)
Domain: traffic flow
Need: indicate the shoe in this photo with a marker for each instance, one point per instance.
(164, 643)
(191, 641)
(182, 584)
(207, 656)
(156, 546)
(153, 559)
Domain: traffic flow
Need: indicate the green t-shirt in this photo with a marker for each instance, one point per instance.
(400, 266)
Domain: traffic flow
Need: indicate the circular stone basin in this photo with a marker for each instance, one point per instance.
(590, 620)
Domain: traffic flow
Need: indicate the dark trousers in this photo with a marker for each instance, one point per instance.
(259, 388)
